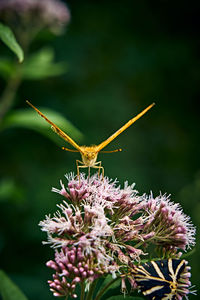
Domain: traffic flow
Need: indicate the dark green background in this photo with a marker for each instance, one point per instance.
(122, 56)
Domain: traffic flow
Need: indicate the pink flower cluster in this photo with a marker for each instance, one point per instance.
(53, 14)
(72, 266)
(101, 228)
(171, 227)
(183, 284)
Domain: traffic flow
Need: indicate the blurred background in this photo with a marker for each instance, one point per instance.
(90, 73)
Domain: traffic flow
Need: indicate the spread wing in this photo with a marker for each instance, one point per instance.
(56, 128)
(129, 123)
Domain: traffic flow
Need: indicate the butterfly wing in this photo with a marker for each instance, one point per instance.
(124, 127)
(56, 128)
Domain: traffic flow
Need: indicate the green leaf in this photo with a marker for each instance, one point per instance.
(28, 118)
(10, 191)
(122, 297)
(9, 290)
(41, 65)
(109, 284)
(9, 39)
(108, 279)
(185, 255)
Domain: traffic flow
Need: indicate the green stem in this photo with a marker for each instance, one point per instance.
(8, 96)
(82, 291)
(9, 93)
(105, 288)
(144, 242)
(91, 290)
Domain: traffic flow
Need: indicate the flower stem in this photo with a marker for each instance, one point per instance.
(105, 288)
(9, 93)
(8, 96)
(82, 291)
(91, 290)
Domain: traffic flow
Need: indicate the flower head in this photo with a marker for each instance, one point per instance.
(173, 229)
(72, 265)
(101, 228)
(53, 14)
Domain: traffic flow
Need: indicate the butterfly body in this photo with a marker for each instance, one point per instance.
(89, 153)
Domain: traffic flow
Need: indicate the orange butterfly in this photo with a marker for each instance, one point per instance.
(89, 153)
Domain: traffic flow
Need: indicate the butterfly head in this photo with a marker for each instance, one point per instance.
(89, 155)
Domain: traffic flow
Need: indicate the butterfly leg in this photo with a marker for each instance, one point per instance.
(99, 167)
(78, 167)
(83, 166)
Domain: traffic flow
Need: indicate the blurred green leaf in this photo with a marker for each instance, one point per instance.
(40, 65)
(122, 297)
(9, 39)
(10, 191)
(28, 118)
(9, 290)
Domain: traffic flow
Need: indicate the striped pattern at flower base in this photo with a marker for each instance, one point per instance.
(166, 279)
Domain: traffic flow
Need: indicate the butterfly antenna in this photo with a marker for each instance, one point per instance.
(117, 150)
(70, 150)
